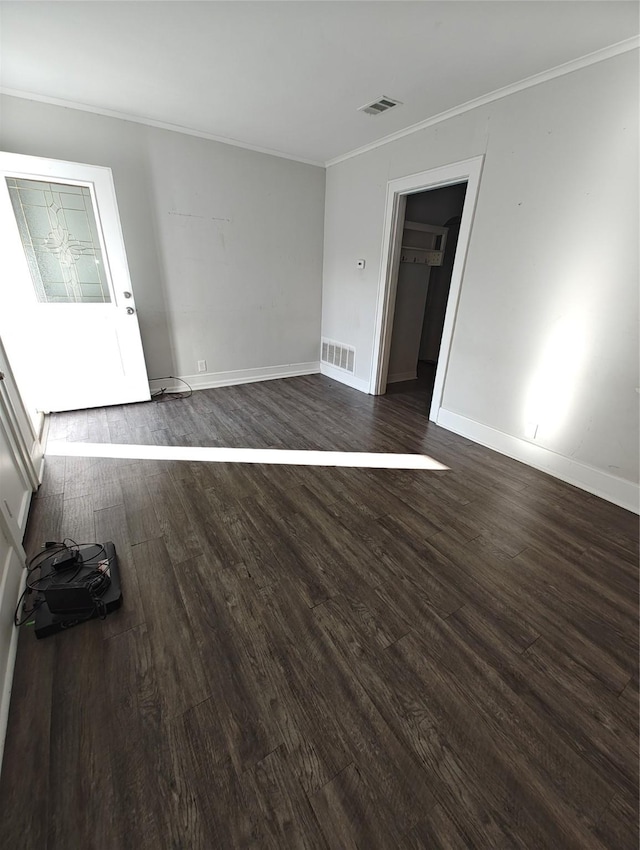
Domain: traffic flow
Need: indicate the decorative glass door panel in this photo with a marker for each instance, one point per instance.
(61, 241)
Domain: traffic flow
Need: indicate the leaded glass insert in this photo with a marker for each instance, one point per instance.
(59, 235)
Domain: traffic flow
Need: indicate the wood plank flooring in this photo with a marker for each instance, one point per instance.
(327, 658)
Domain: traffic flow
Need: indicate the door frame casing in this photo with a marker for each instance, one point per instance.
(469, 171)
(25, 457)
(26, 447)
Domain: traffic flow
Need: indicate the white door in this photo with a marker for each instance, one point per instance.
(68, 314)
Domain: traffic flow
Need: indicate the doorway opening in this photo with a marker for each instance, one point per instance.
(429, 240)
(427, 230)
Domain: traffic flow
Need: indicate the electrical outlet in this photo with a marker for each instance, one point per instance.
(202, 365)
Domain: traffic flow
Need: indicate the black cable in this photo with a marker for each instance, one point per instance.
(98, 581)
(98, 556)
(163, 395)
(79, 567)
(48, 552)
(53, 548)
(82, 563)
(19, 622)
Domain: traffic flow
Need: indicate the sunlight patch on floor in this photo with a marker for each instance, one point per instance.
(289, 457)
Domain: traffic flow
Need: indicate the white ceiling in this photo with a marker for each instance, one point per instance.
(289, 76)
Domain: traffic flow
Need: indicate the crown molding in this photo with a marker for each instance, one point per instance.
(151, 122)
(559, 71)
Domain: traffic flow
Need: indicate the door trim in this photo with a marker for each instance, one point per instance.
(26, 448)
(20, 423)
(469, 171)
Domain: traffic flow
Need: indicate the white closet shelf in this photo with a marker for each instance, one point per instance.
(418, 248)
(425, 228)
(422, 256)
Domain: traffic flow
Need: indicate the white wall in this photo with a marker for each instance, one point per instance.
(546, 333)
(224, 244)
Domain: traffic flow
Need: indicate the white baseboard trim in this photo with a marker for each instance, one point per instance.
(621, 492)
(402, 376)
(39, 424)
(37, 457)
(344, 377)
(210, 380)
(40, 469)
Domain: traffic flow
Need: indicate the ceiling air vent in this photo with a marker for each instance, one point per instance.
(383, 104)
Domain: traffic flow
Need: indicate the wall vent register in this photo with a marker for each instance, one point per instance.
(338, 355)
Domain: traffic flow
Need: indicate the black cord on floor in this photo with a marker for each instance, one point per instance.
(98, 579)
(16, 618)
(163, 395)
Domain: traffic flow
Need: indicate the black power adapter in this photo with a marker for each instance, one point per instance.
(67, 559)
(68, 600)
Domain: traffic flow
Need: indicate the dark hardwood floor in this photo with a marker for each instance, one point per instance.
(327, 657)
(421, 388)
